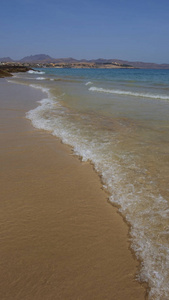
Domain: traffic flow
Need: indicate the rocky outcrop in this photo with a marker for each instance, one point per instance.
(7, 70)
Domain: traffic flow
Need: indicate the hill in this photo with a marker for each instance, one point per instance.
(6, 59)
(37, 58)
(135, 64)
(46, 59)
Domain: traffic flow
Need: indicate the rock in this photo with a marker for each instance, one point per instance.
(6, 70)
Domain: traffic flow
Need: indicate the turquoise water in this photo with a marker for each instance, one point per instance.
(118, 120)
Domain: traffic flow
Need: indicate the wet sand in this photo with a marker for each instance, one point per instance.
(59, 236)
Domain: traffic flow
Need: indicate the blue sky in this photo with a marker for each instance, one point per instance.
(132, 30)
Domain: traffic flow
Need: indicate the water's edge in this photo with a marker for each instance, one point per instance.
(114, 205)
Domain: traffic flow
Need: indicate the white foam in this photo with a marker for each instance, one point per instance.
(40, 78)
(35, 72)
(142, 214)
(121, 92)
(88, 83)
(45, 90)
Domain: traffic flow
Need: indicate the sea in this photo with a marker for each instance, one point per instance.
(118, 120)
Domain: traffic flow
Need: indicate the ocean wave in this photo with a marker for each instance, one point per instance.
(88, 83)
(141, 212)
(35, 72)
(43, 89)
(40, 78)
(129, 93)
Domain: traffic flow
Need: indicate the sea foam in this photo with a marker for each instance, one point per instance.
(140, 211)
(35, 72)
(128, 93)
(40, 78)
(88, 83)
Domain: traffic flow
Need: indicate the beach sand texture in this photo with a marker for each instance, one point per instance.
(59, 236)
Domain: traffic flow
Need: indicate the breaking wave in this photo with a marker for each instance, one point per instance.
(129, 93)
(35, 72)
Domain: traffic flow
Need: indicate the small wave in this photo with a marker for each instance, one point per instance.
(141, 215)
(88, 83)
(120, 92)
(43, 89)
(35, 72)
(40, 78)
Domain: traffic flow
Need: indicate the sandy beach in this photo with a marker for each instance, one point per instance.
(59, 236)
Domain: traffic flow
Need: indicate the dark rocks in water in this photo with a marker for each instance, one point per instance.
(7, 70)
(4, 74)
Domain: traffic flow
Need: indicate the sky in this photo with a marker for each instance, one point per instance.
(134, 30)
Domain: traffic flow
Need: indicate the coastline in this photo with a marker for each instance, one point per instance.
(61, 239)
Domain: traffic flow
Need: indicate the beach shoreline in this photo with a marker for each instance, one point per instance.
(61, 238)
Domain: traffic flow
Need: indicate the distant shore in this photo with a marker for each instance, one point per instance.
(43, 60)
(6, 69)
(9, 67)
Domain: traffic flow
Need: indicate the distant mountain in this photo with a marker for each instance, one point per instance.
(144, 65)
(135, 64)
(6, 59)
(37, 58)
(68, 60)
(44, 59)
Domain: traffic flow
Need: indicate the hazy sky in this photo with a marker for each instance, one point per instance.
(122, 29)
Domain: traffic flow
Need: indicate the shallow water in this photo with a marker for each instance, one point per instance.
(118, 119)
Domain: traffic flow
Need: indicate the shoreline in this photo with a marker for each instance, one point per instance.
(79, 246)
